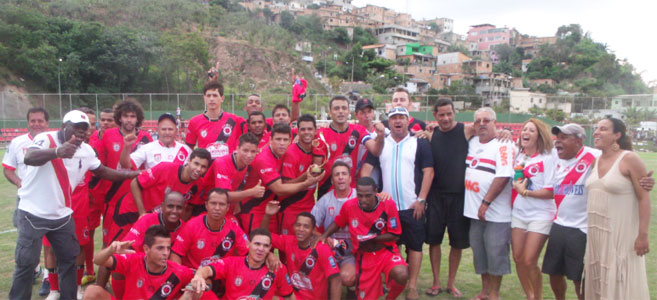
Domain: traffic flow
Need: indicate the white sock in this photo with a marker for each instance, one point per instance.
(45, 273)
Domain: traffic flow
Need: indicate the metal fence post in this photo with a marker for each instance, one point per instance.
(232, 103)
(97, 111)
(4, 118)
(150, 105)
(178, 99)
(43, 101)
(60, 108)
(70, 102)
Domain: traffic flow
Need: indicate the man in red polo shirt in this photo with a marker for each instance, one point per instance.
(213, 128)
(246, 277)
(311, 269)
(374, 228)
(150, 274)
(265, 170)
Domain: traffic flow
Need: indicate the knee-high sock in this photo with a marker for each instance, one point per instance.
(89, 258)
(395, 289)
(80, 274)
(118, 286)
(53, 278)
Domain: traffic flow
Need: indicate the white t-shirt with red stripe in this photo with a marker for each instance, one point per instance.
(537, 169)
(484, 163)
(568, 181)
(42, 193)
(155, 152)
(13, 159)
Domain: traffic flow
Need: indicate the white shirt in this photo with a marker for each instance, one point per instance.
(13, 159)
(327, 208)
(484, 163)
(572, 210)
(155, 152)
(538, 170)
(399, 162)
(41, 193)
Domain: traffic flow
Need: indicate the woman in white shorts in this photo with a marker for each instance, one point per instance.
(533, 204)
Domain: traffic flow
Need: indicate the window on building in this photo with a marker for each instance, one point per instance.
(531, 100)
(540, 100)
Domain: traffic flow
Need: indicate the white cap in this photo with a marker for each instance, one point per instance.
(76, 116)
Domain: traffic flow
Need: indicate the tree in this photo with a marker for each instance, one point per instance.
(339, 35)
(287, 20)
(458, 48)
(363, 36)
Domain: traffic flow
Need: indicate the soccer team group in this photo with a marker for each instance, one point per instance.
(201, 218)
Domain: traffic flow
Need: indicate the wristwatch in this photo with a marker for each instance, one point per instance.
(422, 201)
(485, 202)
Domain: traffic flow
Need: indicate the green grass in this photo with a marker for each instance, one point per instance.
(467, 281)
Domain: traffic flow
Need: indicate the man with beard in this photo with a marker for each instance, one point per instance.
(150, 273)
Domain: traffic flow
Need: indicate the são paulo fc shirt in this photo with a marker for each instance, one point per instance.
(266, 167)
(364, 226)
(142, 284)
(155, 152)
(214, 135)
(309, 269)
(155, 183)
(243, 282)
(537, 169)
(15, 155)
(484, 163)
(341, 146)
(138, 230)
(569, 185)
(200, 246)
(296, 162)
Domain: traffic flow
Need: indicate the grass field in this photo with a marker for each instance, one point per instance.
(467, 281)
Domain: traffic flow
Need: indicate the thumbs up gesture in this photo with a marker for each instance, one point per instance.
(67, 150)
(258, 190)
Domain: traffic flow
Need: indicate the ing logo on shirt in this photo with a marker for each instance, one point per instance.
(504, 156)
(472, 186)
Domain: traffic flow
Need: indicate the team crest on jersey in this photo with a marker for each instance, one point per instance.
(181, 156)
(200, 244)
(362, 294)
(533, 170)
(331, 211)
(157, 157)
(379, 224)
(310, 261)
(116, 147)
(354, 223)
(474, 163)
(284, 231)
(166, 289)
(204, 133)
(393, 222)
(227, 130)
(352, 142)
(24, 150)
(580, 167)
(167, 190)
(334, 147)
(301, 168)
(266, 282)
(292, 257)
(227, 244)
(396, 258)
(238, 281)
(85, 233)
(140, 283)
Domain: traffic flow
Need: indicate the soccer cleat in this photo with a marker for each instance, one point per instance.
(87, 279)
(54, 295)
(45, 288)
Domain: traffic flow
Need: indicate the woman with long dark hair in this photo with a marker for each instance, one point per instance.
(618, 218)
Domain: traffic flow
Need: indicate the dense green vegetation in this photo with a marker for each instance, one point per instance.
(577, 63)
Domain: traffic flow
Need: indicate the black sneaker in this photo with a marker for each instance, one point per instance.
(36, 275)
(45, 288)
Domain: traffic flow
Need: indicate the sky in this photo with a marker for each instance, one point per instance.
(625, 26)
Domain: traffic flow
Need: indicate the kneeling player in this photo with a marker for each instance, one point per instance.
(374, 228)
(169, 216)
(310, 269)
(246, 277)
(150, 275)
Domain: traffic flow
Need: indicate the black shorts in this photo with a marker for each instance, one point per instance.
(564, 254)
(445, 211)
(412, 230)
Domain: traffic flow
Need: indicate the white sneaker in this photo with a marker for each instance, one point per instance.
(54, 295)
(80, 292)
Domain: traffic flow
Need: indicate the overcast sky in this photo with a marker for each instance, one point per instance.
(625, 26)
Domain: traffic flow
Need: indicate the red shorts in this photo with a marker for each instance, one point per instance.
(108, 222)
(370, 265)
(252, 221)
(82, 230)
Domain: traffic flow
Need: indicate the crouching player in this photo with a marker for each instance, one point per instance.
(169, 216)
(374, 228)
(246, 277)
(149, 275)
(310, 269)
